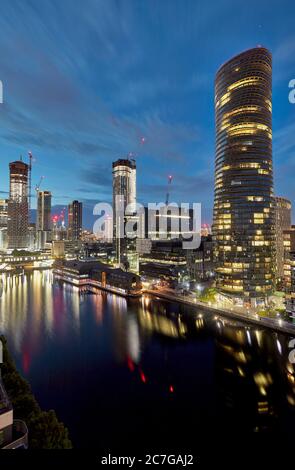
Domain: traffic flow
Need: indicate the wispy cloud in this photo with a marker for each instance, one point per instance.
(82, 86)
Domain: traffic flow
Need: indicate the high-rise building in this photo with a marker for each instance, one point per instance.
(244, 226)
(288, 245)
(283, 208)
(289, 274)
(43, 218)
(3, 223)
(75, 220)
(124, 182)
(3, 213)
(168, 222)
(18, 207)
(124, 193)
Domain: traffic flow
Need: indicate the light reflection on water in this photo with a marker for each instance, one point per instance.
(111, 366)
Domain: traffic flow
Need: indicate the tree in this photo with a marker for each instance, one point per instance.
(48, 433)
(45, 431)
(208, 295)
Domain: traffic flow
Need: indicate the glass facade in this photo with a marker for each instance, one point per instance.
(124, 194)
(243, 227)
(44, 211)
(75, 220)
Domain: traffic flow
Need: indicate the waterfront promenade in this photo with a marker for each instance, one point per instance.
(234, 313)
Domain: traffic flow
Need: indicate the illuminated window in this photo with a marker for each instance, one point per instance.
(244, 82)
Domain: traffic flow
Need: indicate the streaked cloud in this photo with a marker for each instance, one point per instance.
(83, 85)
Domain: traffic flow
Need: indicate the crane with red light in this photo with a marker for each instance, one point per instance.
(37, 187)
(170, 178)
(30, 155)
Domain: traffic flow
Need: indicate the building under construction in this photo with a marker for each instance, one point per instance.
(18, 205)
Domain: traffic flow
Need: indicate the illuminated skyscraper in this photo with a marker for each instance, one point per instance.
(243, 226)
(124, 181)
(3, 213)
(124, 193)
(43, 218)
(75, 213)
(3, 223)
(18, 207)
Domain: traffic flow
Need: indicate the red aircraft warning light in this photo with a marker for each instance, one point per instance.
(142, 377)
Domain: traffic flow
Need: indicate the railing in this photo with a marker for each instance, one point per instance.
(4, 401)
(273, 323)
(20, 436)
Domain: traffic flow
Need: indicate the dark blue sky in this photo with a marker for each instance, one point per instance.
(85, 80)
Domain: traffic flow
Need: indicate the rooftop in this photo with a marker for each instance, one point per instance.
(84, 267)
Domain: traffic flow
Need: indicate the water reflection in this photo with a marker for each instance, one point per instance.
(144, 361)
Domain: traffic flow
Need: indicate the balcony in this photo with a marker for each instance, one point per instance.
(19, 436)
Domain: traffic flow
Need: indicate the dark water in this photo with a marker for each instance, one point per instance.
(119, 372)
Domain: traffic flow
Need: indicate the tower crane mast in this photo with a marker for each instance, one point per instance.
(37, 187)
(170, 178)
(30, 155)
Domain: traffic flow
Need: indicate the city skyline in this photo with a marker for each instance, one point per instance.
(163, 114)
(147, 244)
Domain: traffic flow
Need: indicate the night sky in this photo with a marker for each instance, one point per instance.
(84, 82)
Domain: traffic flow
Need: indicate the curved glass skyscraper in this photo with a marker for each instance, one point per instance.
(243, 226)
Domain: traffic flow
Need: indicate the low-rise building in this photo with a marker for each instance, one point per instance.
(169, 261)
(93, 274)
(288, 242)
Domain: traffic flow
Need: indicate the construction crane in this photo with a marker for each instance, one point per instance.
(170, 178)
(31, 159)
(30, 179)
(37, 187)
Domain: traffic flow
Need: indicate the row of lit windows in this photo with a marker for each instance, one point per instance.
(223, 205)
(220, 177)
(225, 98)
(219, 184)
(238, 271)
(239, 248)
(258, 236)
(255, 198)
(245, 82)
(241, 165)
(223, 227)
(220, 225)
(248, 128)
(240, 110)
(236, 159)
(242, 125)
(266, 261)
(262, 143)
(219, 172)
